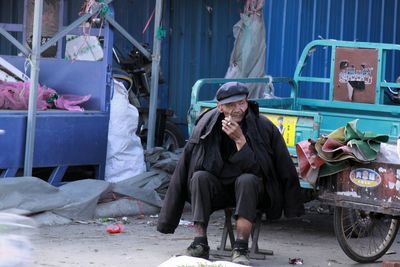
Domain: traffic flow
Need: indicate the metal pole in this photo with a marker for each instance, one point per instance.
(155, 66)
(15, 42)
(35, 58)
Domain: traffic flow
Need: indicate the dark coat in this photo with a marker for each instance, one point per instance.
(279, 174)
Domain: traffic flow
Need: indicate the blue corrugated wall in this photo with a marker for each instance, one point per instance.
(11, 11)
(290, 25)
(201, 43)
(200, 40)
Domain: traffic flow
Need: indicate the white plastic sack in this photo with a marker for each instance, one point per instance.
(15, 245)
(249, 50)
(125, 157)
(195, 262)
(83, 48)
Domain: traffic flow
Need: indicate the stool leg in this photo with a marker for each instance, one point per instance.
(255, 252)
(228, 222)
(255, 232)
(228, 231)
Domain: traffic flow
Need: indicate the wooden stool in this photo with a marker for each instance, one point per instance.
(254, 253)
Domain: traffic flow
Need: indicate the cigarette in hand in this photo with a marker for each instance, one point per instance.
(229, 120)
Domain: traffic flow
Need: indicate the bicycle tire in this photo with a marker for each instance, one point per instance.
(356, 229)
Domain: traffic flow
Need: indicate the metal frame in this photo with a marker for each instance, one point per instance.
(327, 115)
(333, 44)
(333, 112)
(378, 116)
(37, 49)
(31, 121)
(16, 117)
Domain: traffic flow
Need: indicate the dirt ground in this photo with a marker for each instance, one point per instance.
(310, 237)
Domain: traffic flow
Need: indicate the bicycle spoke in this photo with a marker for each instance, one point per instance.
(380, 227)
(353, 227)
(372, 240)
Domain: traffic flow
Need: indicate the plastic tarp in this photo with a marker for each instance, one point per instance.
(249, 50)
(75, 200)
(81, 200)
(89, 198)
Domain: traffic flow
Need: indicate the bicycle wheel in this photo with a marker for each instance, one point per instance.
(364, 236)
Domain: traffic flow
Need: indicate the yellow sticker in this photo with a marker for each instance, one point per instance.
(365, 177)
(286, 126)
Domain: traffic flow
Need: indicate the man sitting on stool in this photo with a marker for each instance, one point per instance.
(234, 158)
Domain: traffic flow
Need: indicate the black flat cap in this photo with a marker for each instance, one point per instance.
(232, 92)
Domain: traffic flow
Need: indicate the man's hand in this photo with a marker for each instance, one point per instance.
(233, 130)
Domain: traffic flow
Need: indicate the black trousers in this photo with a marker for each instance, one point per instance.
(208, 193)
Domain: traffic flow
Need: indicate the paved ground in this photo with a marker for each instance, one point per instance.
(310, 238)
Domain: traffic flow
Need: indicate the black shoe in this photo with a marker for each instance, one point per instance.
(240, 256)
(198, 250)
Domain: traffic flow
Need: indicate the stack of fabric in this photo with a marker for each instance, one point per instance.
(335, 152)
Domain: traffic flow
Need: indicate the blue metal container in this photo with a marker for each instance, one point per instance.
(63, 138)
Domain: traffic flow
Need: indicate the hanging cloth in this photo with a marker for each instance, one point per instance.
(249, 50)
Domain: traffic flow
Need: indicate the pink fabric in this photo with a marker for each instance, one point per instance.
(309, 161)
(333, 149)
(71, 102)
(15, 96)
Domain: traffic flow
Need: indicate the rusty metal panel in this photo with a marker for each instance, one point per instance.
(355, 75)
(376, 186)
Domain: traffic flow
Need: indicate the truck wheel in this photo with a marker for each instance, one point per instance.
(364, 236)
(173, 138)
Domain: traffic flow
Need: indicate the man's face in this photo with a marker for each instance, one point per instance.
(236, 110)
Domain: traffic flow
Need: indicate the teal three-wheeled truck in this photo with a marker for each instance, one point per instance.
(358, 81)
